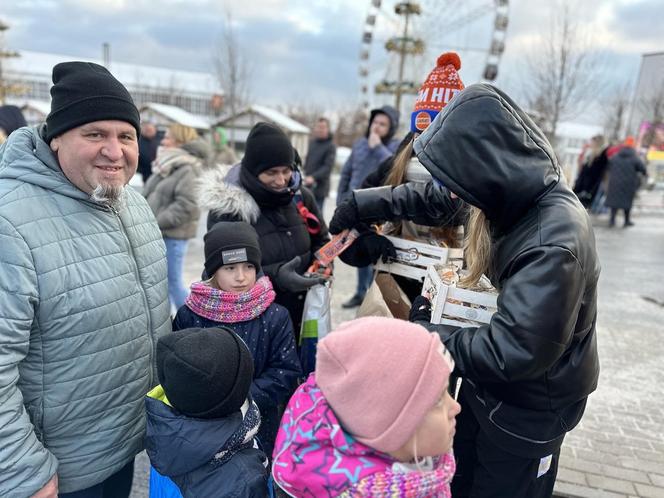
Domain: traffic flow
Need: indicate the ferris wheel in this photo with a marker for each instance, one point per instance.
(401, 41)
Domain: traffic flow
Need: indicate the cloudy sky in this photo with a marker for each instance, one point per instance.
(305, 52)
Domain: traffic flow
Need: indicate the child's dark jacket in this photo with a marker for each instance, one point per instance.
(184, 449)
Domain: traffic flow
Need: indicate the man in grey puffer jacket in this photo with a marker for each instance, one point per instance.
(83, 294)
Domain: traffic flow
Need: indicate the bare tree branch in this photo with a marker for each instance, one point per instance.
(616, 112)
(232, 69)
(562, 72)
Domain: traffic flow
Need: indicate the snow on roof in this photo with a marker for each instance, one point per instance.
(178, 115)
(40, 65)
(274, 116)
(279, 119)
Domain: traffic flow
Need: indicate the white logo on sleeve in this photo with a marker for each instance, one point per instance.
(544, 466)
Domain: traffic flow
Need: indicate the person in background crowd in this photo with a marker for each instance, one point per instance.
(440, 87)
(83, 293)
(365, 157)
(265, 191)
(528, 373)
(593, 164)
(319, 162)
(354, 428)
(223, 153)
(171, 194)
(201, 418)
(625, 169)
(237, 298)
(11, 118)
(148, 143)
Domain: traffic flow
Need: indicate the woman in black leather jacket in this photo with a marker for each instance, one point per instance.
(527, 373)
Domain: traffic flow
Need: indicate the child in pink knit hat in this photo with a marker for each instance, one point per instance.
(375, 419)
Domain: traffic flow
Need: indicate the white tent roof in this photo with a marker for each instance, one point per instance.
(178, 115)
(274, 116)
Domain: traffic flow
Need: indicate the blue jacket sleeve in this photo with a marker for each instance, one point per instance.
(275, 383)
(382, 152)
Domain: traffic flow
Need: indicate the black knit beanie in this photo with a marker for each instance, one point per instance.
(229, 242)
(11, 118)
(84, 92)
(205, 373)
(267, 146)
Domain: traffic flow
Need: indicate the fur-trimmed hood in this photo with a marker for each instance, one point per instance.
(219, 190)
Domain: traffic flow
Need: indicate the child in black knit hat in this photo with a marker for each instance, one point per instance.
(201, 420)
(239, 298)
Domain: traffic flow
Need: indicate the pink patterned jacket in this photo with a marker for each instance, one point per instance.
(315, 458)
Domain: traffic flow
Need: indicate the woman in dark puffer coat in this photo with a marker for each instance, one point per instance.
(265, 191)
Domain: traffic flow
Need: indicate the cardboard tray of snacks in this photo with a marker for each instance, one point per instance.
(452, 305)
(413, 258)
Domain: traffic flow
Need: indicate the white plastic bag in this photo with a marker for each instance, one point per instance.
(316, 324)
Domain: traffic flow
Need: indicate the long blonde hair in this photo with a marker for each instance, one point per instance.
(397, 174)
(476, 246)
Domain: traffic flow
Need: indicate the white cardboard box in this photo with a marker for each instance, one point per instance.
(454, 306)
(413, 258)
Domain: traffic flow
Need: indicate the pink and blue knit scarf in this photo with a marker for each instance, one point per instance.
(230, 307)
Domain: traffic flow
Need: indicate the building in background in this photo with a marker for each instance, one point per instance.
(647, 104)
(195, 92)
(238, 126)
(164, 115)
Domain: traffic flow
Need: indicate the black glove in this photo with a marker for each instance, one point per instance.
(345, 216)
(289, 279)
(420, 311)
(367, 249)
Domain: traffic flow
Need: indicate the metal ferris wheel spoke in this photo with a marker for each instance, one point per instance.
(401, 64)
(459, 22)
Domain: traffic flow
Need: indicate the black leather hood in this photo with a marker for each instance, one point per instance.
(487, 150)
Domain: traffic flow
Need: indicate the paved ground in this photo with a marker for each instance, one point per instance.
(618, 449)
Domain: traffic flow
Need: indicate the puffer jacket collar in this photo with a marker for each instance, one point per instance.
(486, 150)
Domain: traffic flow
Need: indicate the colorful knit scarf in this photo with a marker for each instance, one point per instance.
(230, 307)
(389, 483)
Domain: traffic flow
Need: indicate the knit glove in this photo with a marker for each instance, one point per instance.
(367, 249)
(345, 216)
(289, 279)
(420, 311)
